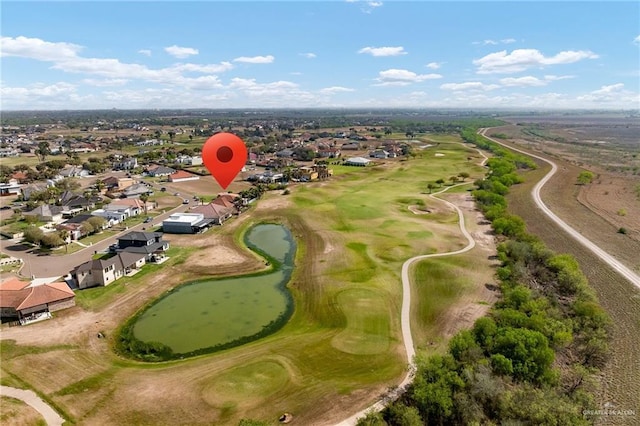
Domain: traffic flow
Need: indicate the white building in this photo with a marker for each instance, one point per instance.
(185, 223)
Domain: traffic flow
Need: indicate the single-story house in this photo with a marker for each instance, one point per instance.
(182, 176)
(74, 230)
(353, 146)
(186, 223)
(26, 302)
(357, 161)
(102, 272)
(46, 213)
(10, 188)
(28, 190)
(113, 217)
(217, 212)
(157, 171)
(74, 171)
(379, 153)
(135, 204)
(137, 190)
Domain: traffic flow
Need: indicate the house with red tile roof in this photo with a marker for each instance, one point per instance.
(182, 176)
(26, 302)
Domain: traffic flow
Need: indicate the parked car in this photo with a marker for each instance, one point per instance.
(149, 219)
(185, 201)
(163, 189)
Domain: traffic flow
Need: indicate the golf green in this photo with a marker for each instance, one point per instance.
(210, 313)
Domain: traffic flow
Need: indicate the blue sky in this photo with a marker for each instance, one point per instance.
(209, 54)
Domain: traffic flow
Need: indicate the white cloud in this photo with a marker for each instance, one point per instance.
(527, 81)
(490, 42)
(105, 82)
(637, 40)
(530, 81)
(255, 59)
(42, 96)
(610, 96)
(398, 77)
(383, 51)
(208, 68)
(522, 59)
(145, 52)
(367, 6)
(335, 89)
(434, 65)
(181, 52)
(557, 77)
(35, 48)
(308, 55)
(469, 85)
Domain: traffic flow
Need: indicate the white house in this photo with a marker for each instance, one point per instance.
(113, 217)
(357, 161)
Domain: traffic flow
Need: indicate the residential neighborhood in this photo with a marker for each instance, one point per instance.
(75, 190)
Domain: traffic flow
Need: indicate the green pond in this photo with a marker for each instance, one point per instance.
(211, 313)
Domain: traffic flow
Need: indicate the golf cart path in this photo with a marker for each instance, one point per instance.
(603, 255)
(405, 317)
(29, 397)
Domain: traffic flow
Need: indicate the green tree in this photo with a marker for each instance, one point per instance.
(528, 351)
(453, 179)
(43, 150)
(96, 222)
(144, 198)
(401, 415)
(463, 175)
(51, 240)
(440, 182)
(434, 387)
(585, 177)
(372, 418)
(33, 235)
(431, 187)
(86, 228)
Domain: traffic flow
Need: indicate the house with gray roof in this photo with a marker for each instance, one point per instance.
(102, 272)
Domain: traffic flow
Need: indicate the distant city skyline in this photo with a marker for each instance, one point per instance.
(319, 54)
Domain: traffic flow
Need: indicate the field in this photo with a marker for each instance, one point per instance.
(620, 381)
(341, 349)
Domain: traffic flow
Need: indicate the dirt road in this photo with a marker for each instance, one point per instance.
(603, 255)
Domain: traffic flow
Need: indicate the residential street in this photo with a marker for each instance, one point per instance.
(44, 266)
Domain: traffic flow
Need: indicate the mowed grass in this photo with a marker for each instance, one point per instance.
(341, 348)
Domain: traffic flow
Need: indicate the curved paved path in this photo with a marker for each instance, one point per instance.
(405, 316)
(603, 255)
(29, 397)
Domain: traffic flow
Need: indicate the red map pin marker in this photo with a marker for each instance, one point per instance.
(224, 154)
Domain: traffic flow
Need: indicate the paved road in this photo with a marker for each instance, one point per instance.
(603, 255)
(405, 316)
(29, 397)
(42, 266)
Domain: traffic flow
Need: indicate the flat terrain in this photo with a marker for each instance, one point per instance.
(620, 380)
(342, 347)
